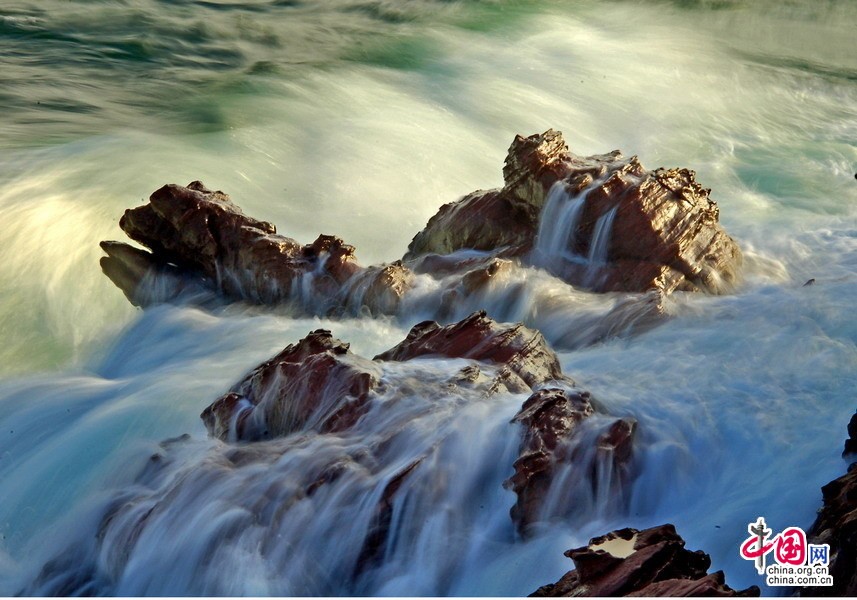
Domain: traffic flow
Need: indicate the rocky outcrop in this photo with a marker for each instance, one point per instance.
(316, 383)
(319, 384)
(201, 233)
(836, 525)
(522, 354)
(656, 229)
(600, 222)
(551, 419)
(503, 221)
(652, 562)
(851, 442)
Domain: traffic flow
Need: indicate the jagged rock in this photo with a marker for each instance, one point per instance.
(550, 418)
(663, 227)
(202, 232)
(523, 351)
(629, 562)
(316, 383)
(319, 384)
(836, 525)
(851, 442)
(637, 230)
(506, 220)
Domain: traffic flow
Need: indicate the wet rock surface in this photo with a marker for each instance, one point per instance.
(633, 230)
(836, 525)
(550, 420)
(659, 229)
(319, 384)
(522, 351)
(318, 426)
(316, 384)
(204, 235)
(651, 562)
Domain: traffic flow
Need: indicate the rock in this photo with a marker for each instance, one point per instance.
(319, 384)
(551, 419)
(629, 562)
(316, 383)
(502, 221)
(127, 267)
(836, 525)
(659, 229)
(851, 442)
(524, 352)
(201, 232)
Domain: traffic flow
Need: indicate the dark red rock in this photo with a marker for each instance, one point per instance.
(203, 232)
(550, 419)
(836, 525)
(524, 351)
(665, 233)
(319, 384)
(316, 383)
(629, 562)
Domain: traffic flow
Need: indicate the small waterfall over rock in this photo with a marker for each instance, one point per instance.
(559, 229)
(559, 222)
(599, 246)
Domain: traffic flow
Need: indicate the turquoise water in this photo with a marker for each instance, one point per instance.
(361, 118)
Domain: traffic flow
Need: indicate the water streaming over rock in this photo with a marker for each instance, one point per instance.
(360, 119)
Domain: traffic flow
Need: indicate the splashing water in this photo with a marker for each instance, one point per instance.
(558, 224)
(360, 119)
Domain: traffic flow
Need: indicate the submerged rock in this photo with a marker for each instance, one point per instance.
(602, 222)
(629, 562)
(318, 384)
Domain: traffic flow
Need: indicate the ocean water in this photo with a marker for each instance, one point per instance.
(360, 118)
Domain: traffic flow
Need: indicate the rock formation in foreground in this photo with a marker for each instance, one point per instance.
(319, 384)
(600, 222)
(836, 525)
(652, 562)
(318, 423)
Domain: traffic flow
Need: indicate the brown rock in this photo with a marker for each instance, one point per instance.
(665, 232)
(316, 383)
(836, 525)
(319, 384)
(524, 351)
(629, 562)
(202, 232)
(551, 419)
(503, 221)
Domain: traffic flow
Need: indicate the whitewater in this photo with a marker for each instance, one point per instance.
(360, 119)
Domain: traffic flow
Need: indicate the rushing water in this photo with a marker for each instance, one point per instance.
(360, 118)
